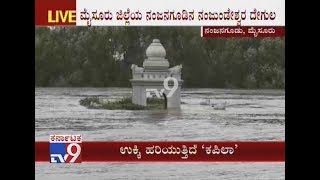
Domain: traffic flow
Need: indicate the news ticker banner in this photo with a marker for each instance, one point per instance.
(71, 149)
(218, 18)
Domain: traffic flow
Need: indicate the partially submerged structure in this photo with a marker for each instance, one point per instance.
(156, 77)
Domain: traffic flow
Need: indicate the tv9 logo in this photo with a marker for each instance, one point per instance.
(171, 90)
(65, 148)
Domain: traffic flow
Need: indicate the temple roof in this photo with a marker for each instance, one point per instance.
(156, 50)
(156, 57)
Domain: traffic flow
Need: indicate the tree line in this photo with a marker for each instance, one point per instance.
(102, 57)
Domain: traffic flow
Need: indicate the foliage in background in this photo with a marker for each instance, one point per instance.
(102, 57)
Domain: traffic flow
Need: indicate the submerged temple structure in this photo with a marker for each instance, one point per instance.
(152, 76)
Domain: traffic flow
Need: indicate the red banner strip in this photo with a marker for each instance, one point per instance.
(173, 151)
(242, 31)
(55, 12)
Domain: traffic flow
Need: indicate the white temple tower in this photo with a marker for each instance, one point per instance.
(152, 75)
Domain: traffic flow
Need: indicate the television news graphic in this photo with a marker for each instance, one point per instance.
(229, 18)
(169, 151)
(65, 148)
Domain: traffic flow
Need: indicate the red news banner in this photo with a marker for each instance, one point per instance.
(242, 31)
(55, 12)
(171, 151)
